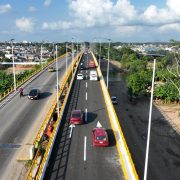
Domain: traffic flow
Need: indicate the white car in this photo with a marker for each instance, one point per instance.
(80, 76)
(93, 75)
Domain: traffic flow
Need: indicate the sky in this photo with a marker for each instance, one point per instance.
(90, 20)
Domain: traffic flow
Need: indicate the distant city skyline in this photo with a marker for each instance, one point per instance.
(87, 20)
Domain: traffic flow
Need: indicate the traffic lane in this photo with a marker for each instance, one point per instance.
(92, 163)
(76, 165)
(164, 143)
(57, 165)
(17, 118)
(15, 113)
(42, 82)
(106, 160)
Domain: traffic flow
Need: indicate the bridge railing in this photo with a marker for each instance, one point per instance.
(40, 161)
(123, 150)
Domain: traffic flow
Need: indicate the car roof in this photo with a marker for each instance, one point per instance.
(76, 111)
(34, 89)
(80, 74)
(113, 96)
(100, 131)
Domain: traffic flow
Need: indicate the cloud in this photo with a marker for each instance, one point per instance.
(121, 15)
(174, 6)
(5, 8)
(57, 25)
(32, 9)
(25, 24)
(47, 3)
(167, 27)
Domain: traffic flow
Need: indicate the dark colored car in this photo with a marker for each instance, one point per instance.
(100, 137)
(76, 117)
(81, 67)
(114, 99)
(34, 94)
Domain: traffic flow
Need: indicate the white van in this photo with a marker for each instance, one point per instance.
(93, 75)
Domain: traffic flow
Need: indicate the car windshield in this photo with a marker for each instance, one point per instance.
(76, 115)
(113, 98)
(101, 138)
(33, 92)
(80, 75)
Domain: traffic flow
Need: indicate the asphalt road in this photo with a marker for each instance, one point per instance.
(72, 158)
(19, 116)
(164, 157)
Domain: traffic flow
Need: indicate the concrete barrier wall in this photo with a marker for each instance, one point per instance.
(123, 150)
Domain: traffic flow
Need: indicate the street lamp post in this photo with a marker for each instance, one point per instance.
(57, 82)
(41, 58)
(14, 73)
(100, 55)
(66, 58)
(149, 125)
(108, 65)
(72, 49)
(77, 46)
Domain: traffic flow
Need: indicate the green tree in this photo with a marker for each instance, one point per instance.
(138, 82)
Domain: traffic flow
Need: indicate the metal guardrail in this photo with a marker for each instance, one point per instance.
(123, 150)
(19, 84)
(39, 163)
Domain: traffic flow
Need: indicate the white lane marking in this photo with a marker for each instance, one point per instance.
(86, 76)
(71, 126)
(86, 71)
(86, 115)
(86, 84)
(84, 148)
(98, 125)
(86, 96)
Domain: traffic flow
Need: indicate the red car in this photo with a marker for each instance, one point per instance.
(76, 117)
(92, 64)
(100, 137)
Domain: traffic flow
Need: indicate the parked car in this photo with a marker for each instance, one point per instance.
(34, 94)
(76, 117)
(80, 76)
(114, 99)
(51, 69)
(100, 137)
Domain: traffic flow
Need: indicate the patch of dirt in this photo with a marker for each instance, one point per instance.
(172, 114)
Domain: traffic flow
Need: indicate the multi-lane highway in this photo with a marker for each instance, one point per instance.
(74, 157)
(21, 118)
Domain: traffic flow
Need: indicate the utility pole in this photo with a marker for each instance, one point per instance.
(14, 73)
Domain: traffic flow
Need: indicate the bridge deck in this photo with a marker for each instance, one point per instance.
(67, 157)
